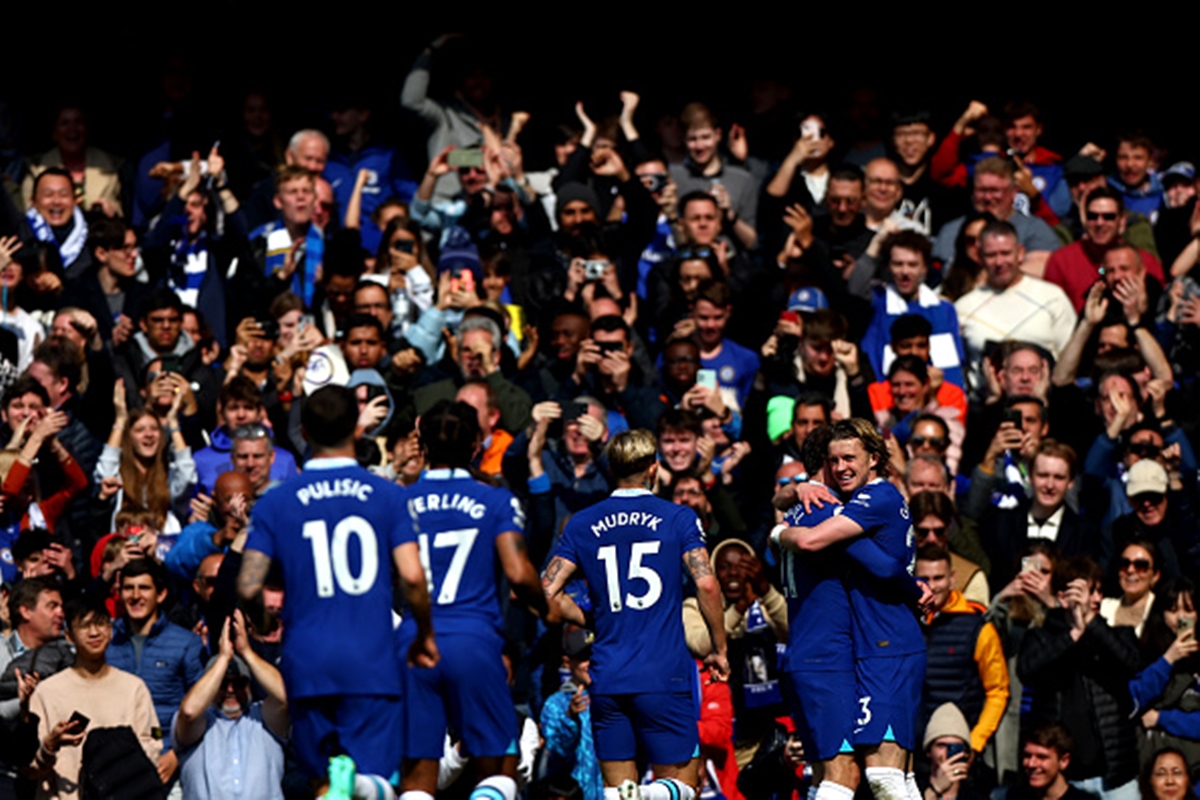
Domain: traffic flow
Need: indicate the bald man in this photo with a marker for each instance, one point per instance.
(215, 522)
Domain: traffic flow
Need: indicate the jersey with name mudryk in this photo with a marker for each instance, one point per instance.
(630, 550)
(332, 530)
(456, 520)
(883, 623)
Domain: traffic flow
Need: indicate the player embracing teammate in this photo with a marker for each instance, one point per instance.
(847, 574)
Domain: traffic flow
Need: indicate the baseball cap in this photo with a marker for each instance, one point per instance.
(1146, 476)
(807, 298)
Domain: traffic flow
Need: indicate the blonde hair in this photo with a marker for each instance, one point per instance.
(631, 453)
(863, 431)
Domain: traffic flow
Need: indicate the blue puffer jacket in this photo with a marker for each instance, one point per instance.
(171, 663)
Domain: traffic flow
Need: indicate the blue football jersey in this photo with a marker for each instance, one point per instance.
(332, 530)
(456, 520)
(818, 606)
(630, 550)
(883, 623)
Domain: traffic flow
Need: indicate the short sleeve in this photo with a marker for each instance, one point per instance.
(258, 533)
(869, 508)
(508, 515)
(690, 529)
(566, 544)
(402, 527)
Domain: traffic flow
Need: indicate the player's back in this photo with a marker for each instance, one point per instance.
(630, 550)
(884, 624)
(456, 520)
(818, 606)
(331, 529)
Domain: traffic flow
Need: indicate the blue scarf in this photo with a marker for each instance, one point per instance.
(76, 239)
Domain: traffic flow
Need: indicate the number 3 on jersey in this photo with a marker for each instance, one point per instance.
(461, 540)
(637, 571)
(331, 559)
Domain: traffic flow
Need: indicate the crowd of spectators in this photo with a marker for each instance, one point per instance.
(1022, 325)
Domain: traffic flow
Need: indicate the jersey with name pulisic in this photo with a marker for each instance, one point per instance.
(332, 530)
(456, 520)
(883, 622)
(630, 549)
(818, 606)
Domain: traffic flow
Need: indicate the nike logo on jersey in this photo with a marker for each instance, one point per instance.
(623, 518)
(326, 490)
(445, 502)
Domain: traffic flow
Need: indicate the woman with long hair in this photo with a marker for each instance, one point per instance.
(966, 271)
(1166, 777)
(1164, 692)
(1137, 569)
(135, 467)
(402, 258)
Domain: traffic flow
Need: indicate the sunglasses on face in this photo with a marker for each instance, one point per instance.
(1150, 498)
(1145, 450)
(404, 246)
(935, 530)
(1138, 564)
(936, 442)
(1107, 216)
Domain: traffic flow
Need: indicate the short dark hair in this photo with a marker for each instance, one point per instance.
(611, 323)
(329, 416)
(62, 358)
(25, 595)
(50, 172)
(813, 399)
(1028, 399)
(695, 197)
(848, 172)
(910, 364)
(106, 232)
(1136, 138)
(162, 298)
(824, 325)
(679, 420)
(933, 552)
(1051, 734)
(242, 389)
(359, 320)
(145, 566)
(909, 326)
(1069, 569)
(1018, 109)
(908, 240)
(816, 449)
(1105, 192)
(450, 433)
(918, 116)
(715, 291)
(936, 504)
(22, 386)
(80, 608)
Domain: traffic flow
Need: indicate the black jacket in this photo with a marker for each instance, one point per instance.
(1085, 685)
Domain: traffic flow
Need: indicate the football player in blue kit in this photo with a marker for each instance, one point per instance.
(820, 661)
(464, 529)
(631, 549)
(889, 650)
(335, 530)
